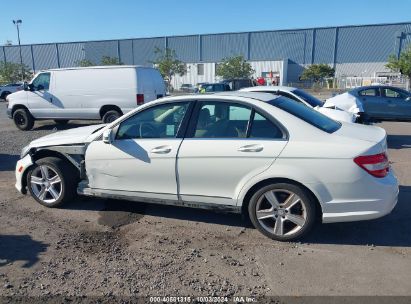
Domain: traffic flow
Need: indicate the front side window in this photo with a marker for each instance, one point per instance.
(41, 82)
(162, 121)
(368, 92)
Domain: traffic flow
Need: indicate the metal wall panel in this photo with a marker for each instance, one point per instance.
(324, 46)
(295, 45)
(367, 44)
(214, 48)
(96, 50)
(144, 50)
(45, 56)
(2, 50)
(186, 47)
(360, 69)
(70, 54)
(126, 52)
(294, 71)
(13, 55)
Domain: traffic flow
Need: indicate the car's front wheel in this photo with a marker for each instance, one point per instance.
(52, 181)
(283, 212)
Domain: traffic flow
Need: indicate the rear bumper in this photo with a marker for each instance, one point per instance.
(378, 201)
(21, 168)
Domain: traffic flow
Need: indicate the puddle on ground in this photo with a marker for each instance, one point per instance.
(118, 213)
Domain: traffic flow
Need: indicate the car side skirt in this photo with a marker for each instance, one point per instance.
(136, 196)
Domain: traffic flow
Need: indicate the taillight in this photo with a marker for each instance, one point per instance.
(140, 99)
(377, 165)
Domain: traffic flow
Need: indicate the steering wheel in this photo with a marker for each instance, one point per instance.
(146, 129)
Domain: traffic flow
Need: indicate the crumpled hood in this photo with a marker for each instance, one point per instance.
(339, 115)
(346, 102)
(71, 136)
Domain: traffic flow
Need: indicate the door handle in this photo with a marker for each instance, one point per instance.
(251, 148)
(161, 150)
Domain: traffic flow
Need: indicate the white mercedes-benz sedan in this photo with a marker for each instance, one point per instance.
(278, 161)
(337, 113)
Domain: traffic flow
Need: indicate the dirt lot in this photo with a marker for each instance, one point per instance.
(113, 248)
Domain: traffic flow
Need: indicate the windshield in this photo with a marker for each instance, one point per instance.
(311, 100)
(307, 114)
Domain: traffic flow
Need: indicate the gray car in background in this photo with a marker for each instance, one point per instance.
(379, 102)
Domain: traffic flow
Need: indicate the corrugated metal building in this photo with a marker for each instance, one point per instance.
(353, 50)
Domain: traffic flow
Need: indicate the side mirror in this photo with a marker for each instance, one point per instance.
(108, 136)
(26, 86)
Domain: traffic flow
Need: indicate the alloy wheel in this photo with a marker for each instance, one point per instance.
(46, 184)
(281, 212)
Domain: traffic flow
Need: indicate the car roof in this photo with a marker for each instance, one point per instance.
(98, 67)
(268, 88)
(253, 95)
(374, 87)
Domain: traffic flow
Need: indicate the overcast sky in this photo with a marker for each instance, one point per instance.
(76, 20)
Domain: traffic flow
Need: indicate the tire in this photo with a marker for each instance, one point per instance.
(61, 122)
(48, 190)
(4, 95)
(23, 119)
(296, 220)
(110, 116)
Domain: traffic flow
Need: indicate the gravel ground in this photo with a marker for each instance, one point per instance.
(112, 249)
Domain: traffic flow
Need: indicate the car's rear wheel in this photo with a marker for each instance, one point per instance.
(110, 116)
(52, 181)
(23, 119)
(283, 212)
(61, 122)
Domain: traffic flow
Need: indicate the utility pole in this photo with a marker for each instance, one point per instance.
(17, 24)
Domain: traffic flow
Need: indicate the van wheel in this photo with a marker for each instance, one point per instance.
(52, 181)
(283, 212)
(61, 121)
(23, 119)
(110, 116)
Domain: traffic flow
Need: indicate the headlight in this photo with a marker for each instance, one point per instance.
(25, 151)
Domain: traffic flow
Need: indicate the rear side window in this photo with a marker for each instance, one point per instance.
(307, 114)
(261, 127)
(393, 93)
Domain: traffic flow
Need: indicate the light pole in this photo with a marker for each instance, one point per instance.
(17, 24)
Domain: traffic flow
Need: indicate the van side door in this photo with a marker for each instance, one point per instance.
(39, 97)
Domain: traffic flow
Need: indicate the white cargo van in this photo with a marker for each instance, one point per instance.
(89, 93)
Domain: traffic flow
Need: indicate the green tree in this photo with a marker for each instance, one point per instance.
(168, 64)
(107, 60)
(84, 63)
(12, 72)
(234, 67)
(402, 64)
(317, 72)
